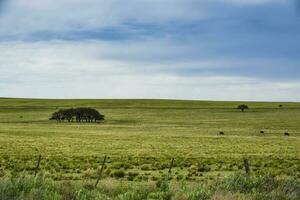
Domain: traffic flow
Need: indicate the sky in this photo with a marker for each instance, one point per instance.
(151, 49)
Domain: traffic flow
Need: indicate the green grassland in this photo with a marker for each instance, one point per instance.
(141, 136)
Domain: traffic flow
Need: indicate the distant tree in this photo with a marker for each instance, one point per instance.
(243, 107)
(79, 114)
(56, 116)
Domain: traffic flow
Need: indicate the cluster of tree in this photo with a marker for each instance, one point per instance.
(78, 114)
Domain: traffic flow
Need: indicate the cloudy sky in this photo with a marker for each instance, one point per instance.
(178, 49)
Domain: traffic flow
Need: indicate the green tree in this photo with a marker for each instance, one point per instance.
(243, 107)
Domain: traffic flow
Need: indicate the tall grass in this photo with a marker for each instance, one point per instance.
(236, 186)
(28, 187)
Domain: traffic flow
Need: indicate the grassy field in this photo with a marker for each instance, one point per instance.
(140, 137)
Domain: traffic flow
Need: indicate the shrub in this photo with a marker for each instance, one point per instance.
(119, 165)
(180, 177)
(146, 167)
(202, 168)
(119, 173)
(132, 175)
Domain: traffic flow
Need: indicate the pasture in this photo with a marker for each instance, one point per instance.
(140, 137)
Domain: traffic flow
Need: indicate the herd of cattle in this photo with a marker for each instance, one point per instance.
(78, 114)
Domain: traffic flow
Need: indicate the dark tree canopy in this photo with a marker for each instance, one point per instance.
(79, 114)
(243, 107)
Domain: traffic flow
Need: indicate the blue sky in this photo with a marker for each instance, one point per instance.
(178, 49)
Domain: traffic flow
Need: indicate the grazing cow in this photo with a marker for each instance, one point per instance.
(262, 132)
(221, 133)
(286, 134)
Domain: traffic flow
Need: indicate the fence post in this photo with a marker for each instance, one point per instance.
(100, 172)
(38, 165)
(247, 166)
(171, 166)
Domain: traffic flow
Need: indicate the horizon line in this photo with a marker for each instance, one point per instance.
(149, 99)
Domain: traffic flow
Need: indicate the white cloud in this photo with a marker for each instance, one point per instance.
(86, 70)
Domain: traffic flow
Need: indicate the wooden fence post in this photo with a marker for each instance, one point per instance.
(171, 166)
(37, 165)
(247, 166)
(170, 169)
(100, 172)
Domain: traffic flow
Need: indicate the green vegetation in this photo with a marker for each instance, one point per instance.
(243, 107)
(77, 115)
(234, 187)
(140, 137)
